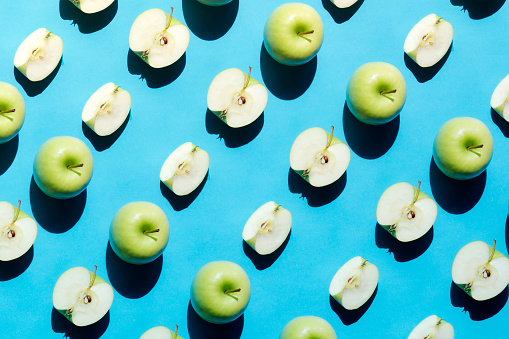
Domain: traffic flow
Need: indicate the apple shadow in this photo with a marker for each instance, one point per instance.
(55, 215)
(286, 82)
(369, 141)
(155, 77)
(60, 324)
(455, 196)
(8, 153)
(341, 15)
(181, 202)
(87, 23)
(423, 74)
(479, 9)
(201, 329)
(233, 137)
(209, 22)
(316, 196)
(262, 262)
(497, 119)
(132, 281)
(103, 143)
(402, 251)
(478, 310)
(349, 317)
(33, 88)
(14, 268)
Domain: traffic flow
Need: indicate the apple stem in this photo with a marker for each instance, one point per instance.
(16, 216)
(228, 293)
(384, 93)
(2, 113)
(247, 79)
(169, 21)
(301, 34)
(93, 277)
(176, 330)
(116, 89)
(329, 141)
(417, 193)
(471, 148)
(277, 208)
(492, 254)
(151, 231)
(72, 168)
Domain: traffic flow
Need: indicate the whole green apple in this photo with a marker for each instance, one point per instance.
(293, 34)
(308, 327)
(139, 232)
(220, 292)
(463, 148)
(63, 167)
(12, 112)
(376, 93)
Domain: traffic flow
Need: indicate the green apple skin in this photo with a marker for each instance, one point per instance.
(208, 296)
(308, 327)
(51, 172)
(364, 93)
(214, 3)
(450, 148)
(130, 232)
(281, 37)
(10, 99)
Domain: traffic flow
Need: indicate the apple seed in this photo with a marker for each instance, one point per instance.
(11, 234)
(163, 41)
(87, 299)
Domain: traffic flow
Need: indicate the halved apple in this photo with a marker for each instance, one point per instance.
(91, 6)
(158, 38)
(107, 109)
(236, 98)
(432, 327)
(17, 231)
(39, 54)
(429, 40)
(500, 98)
(161, 332)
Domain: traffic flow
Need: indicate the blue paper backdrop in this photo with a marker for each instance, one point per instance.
(250, 167)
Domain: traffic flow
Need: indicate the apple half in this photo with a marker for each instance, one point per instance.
(267, 228)
(91, 6)
(161, 332)
(158, 38)
(344, 3)
(319, 157)
(81, 296)
(17, 231)
(107, 109)
(236, 98)
(405, 212)
(39, 54)
(500, 98)
(429, 40)
(480, 270)
(432, 327)
(354, 283)
(185, 168)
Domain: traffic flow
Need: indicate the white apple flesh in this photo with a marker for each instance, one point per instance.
(405, 212)
(432, 327)
(17, 231)
(39, 54)
(185, 168)
(500, 98)
(91, 6)
(267, 228)
(161, 332)
(319, 157)
(344, 3)
(354, 283)
(429, 40)
(106, 110)
(158, 38)
(480, 270)
(236, 98)
(81, 296)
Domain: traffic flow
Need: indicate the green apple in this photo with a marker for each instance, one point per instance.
(220, 292)
(139, 232)
(308, 327)
(81, 296)
(293, 33)
(17, 231)
(432, 327)
(480, 270)
(376, 93)
(463, 148)
(12, 112)
(39, 54)
(215, 3)
(63, 167)
(158, 38)
(500, 98)
(91, 6)
(161, 332)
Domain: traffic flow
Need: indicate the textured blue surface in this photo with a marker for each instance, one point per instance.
(250, 167)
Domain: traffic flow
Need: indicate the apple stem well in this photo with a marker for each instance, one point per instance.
(229, 293)
(72, 168)
(3, 113)
(471, 148)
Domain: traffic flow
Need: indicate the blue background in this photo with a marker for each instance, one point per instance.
(249, 167)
